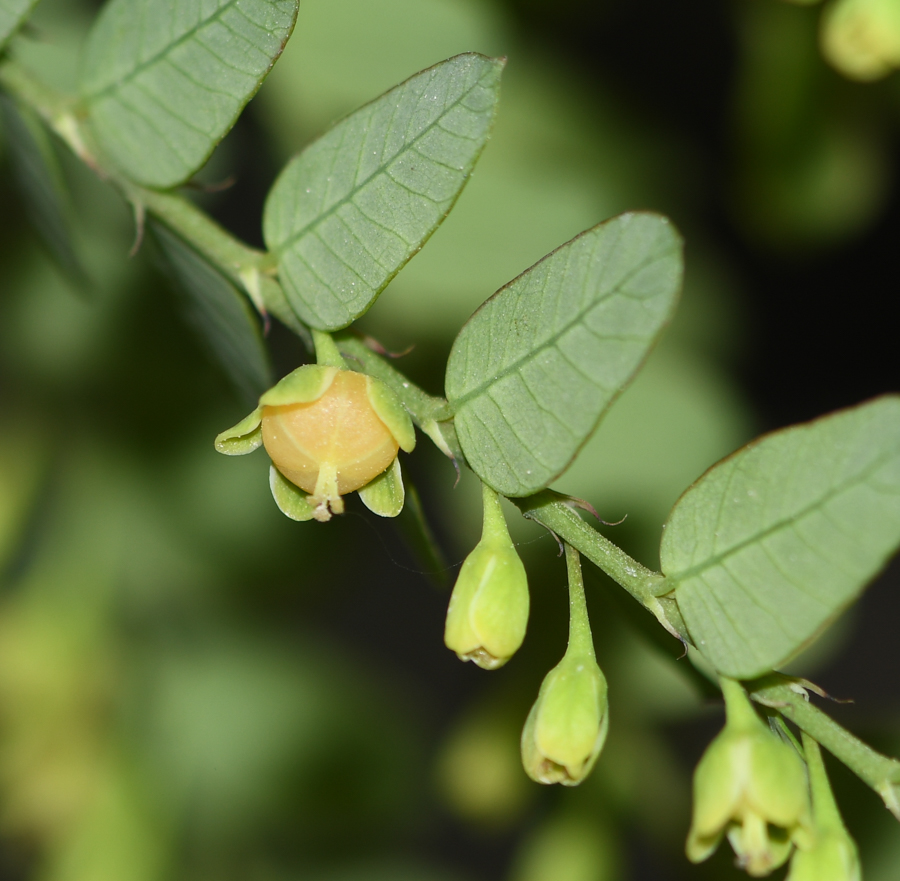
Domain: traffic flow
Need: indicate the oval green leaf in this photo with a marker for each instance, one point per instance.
(164, 82)
(12, 14)
(534, 369)
(769, 546)
(348, 213)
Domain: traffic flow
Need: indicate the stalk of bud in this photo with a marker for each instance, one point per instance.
(567, 725)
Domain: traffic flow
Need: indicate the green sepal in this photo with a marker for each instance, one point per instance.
(568, 723)
(385, 495)
(242, 438)
(392, 413)
(291, 500)
(300, 386)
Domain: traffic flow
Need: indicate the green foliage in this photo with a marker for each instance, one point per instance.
(757, 558)
(347, 214)
(12, 14)
(40, 181)
(222, 314)
(773, 542)
(535, 368)
(163, 83)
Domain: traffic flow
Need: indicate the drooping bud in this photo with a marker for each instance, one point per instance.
(330, 445)
(570, 846)
(861, 38)
(832, 857)
(567, 725)
(830, 854)
(752, 786)
(328, 431)
(488, 610)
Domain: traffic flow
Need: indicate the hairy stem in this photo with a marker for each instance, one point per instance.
(880, 772)
(246, 266)
(581, 642)
(825, 809)
(646, 586)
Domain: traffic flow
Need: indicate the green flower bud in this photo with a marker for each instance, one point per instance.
(751, 786)
(328, 432)
(832, 857)
(567, 725)
(488, 610)
(861, 38)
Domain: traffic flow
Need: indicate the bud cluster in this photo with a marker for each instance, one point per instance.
(566, 728)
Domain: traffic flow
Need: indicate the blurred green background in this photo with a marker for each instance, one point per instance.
(193, 687)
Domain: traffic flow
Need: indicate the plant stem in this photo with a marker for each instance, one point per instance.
(52, 106)
(551, 510)
(420, 404)
(327, 354)
(878, 771)
(581, 642)
(825, 810)
(426, 410)
(738, 709)
(246, 266)
(494, 528)
(197, 227)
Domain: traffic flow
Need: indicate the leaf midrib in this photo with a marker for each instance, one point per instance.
(677, 578)
(170, 47)
(320, 218)
(458, 403)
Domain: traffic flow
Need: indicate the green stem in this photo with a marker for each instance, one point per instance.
(549, 509)
(738, 710)
(327, 354)
(54, 108)
(420, 404)
(880, 772)
(581, 642)
(197, 227)
(825, 810)
(246, 266)
(494, 530)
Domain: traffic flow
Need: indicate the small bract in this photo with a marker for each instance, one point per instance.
(328, 432)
